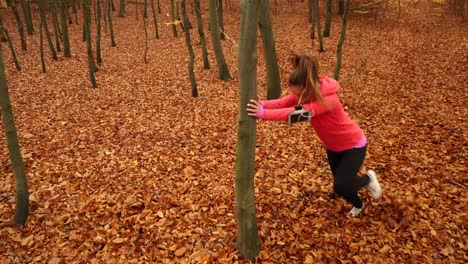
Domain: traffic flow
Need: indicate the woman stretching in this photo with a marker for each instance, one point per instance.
(344, 141)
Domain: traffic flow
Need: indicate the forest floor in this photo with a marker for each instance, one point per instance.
(139, 171)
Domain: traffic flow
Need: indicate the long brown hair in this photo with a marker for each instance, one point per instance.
(305, 75)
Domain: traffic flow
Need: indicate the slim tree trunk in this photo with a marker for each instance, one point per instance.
(41, 47)
(42, 11)
(122, 8)
(159, 7)
(22, 195)
(27, 17)
(145, 9)
(336, 75)
(57, 34)
(98, 32)
(75, 10)
(89, 47)
(221, 19)
(19, 23)
(63, 20)
(319, 29)
(145, 26)
(173, 16)
(269, 51)
(247, 231)
(328, 15)
(111, 28)
(312, 20)
(193, 82)
(4, 31)
(220, 60)
(201, 32)
(155, 20)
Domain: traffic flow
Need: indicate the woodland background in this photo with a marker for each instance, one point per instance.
(137, 170)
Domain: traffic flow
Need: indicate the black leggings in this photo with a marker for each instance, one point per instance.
(345, 166)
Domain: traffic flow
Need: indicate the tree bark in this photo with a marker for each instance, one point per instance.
(19, 23)
(27, 17)
(328, 15)
(319, 29)
(111, 28)
(41, 48)
(42, 11)
(220, 60)
(173, 16)
(188, 41)
(247, 231)
(221, 19)
(155, 20)
(63, 20)
(201, 32)
(269, 51)
(122, 8)
(57, 34)
(89, 47)
(4, 30)
(22, 195)
(98, 32)
(336, 74)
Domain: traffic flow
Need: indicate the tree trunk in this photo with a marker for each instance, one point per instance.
(269, 51)
(111, 28)
(341, 7)
(57, 34)
(193, 82)
(312, 21)
(145, 27)
(22, 195)
(145, 9)
(201, 32)
(247, 231)
(41, 48)
(159, 7)
(220, 60)
(221, 19)
(89, 47)
(19, 23)
(4, 31)
(66, 38)
(319, 29)
(336, 75)
(98, 32)
(173, 17)
(328, 15)
(27, 17)
(121, 8)
(155, 20)
(42, 11)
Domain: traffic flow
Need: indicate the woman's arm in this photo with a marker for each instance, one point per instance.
(283, 102)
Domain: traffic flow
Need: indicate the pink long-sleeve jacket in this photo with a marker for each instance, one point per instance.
(334, 127)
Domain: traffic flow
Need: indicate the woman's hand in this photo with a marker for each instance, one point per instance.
(255, 109)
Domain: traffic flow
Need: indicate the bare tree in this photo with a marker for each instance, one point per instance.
(22, 195)
(188, 41)
(223, 71)
(247, 231)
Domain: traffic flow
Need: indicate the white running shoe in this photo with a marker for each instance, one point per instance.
(356, 211)
(374, 185)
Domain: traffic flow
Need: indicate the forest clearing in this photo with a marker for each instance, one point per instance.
(138, 170)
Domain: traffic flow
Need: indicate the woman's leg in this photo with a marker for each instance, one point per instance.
(347, 183)
(333, 160)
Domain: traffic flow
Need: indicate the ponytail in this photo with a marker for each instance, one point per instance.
(305, 75)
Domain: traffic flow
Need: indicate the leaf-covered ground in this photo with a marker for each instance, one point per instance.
(139, 171)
